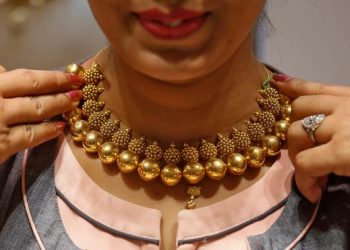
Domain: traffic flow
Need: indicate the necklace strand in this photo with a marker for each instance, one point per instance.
(263, 137)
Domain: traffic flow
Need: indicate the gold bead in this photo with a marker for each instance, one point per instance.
(237, 164)
(172, 155)
(194, 172)
(74, 69)
(127, 161)
(284, 99)
(189, 154)
(215, 169)
(281, 129)
(241, 140)
(256, 157)
(170, 174)
(109, 128)
(148, 169)
(207, 150)
(256, 131)
(138, 145)
(108, 153)
(97, 119)
(272, 145)
(225, 146)
(79, 130)
(121, 138)
(266, 119)
(270, 104)
(91, 92)
(91, 106)
(93, 75)
(286, 111)
(154, 151)
(269, 93)
(92, 141)
(73, 116)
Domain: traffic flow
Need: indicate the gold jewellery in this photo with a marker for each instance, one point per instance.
(263, 137)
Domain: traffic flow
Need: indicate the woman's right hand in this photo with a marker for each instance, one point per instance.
(27, 99)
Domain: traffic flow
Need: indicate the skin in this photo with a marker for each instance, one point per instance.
(219, 73)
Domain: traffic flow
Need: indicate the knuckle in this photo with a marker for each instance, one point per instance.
(57, 78)
(300, 163)
(31, 76)
(298, 85)
(38, 107)
(29, 135)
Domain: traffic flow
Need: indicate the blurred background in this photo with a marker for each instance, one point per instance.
(308, 39)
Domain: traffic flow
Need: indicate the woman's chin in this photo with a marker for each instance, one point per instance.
(175, 70)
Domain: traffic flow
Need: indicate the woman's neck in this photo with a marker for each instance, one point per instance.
(177, 113)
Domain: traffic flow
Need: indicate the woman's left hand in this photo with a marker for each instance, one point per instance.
(332, 155)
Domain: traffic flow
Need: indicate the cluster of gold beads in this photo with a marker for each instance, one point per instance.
(263, 137)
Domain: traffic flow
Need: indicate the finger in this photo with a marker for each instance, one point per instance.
(2, 69)
(325, 159)
(28, 136)
(24, 82)
(304, 106)
(299, 139)
(310, 187)
(297, 87)
(36, 109)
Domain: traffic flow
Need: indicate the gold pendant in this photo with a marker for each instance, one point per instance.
(194, 192)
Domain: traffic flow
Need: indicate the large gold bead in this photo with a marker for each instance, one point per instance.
(127, 161)
(194, 172)
(148, 169)
(79, 130)
(281, 129)
(108, 153)
(215, 169)
(237, 164)
(256, 157)
(92, 141)
(73, 116)
(272, 145)
(170, 174)
(286, 111)
(74, 69)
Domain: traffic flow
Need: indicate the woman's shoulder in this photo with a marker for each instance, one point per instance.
(325, 225)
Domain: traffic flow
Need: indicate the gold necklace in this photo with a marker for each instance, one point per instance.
(264, 135)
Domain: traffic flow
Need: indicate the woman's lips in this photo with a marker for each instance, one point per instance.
(178, 24)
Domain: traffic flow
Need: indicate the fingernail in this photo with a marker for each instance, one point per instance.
(75, 79)
(75, 95)
(60, 125)
(280, 77)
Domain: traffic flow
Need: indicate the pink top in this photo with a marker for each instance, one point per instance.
(144, 223)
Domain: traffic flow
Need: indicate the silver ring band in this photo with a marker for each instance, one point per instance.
(311, 124)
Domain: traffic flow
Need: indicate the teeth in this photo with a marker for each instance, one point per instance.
(173, 24)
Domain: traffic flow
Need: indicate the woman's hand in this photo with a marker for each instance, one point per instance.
(332, 155)
(27, 99)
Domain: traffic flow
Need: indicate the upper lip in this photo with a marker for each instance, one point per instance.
(178, 14)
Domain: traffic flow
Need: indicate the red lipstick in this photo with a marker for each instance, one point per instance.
(177, 24)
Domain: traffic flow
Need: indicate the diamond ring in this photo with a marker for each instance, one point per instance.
(311, 124)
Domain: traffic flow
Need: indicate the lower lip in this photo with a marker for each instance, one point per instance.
(187, 28)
